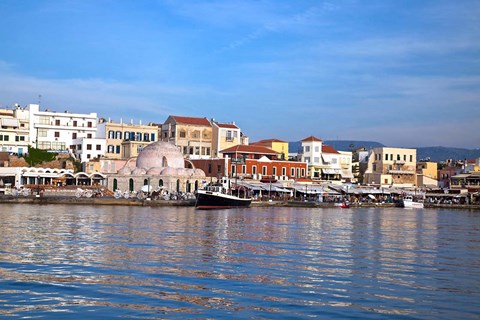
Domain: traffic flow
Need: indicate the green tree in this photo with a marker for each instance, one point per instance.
(36, 156)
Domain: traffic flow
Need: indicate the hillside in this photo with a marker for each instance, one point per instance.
(436, 154)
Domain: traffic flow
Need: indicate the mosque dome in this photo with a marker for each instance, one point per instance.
(160, 154)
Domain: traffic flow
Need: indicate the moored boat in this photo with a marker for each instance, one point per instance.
(219, 196)
(409, 202)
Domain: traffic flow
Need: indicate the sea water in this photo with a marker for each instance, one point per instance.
(107, 262)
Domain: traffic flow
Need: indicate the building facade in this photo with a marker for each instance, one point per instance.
(14, 130)
(192, 136)
(391, 167)
(224, 135)
(125, 140)
(56, 131)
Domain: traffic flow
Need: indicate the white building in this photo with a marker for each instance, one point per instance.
(88, 148)
(56, 131)
(14, 130)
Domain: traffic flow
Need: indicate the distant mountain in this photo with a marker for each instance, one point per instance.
(436, 154)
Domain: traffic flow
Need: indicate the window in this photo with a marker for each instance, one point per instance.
(398, 157)
(56, 134)
(244, 169)
(20, 138)
(89, 136)
(303, 172)
(209, 168)
(316, 160)
(391, 157)
(307, 148)
(110, 149)
(404, 157)
(58, 145)
(411, 158)
(98, 147)
(89, 124)
(307, 159)
(74, 135)
(145, 137)
(111, 134)
(75, 123)
(44, 145)
(118, 135)
(152, 137)
(274, 171)
(284, 171)
(264, 170)
(57, 122)
(292, 172)
(126, 135)
(254, 169)
(183, 134)
(44, 120)
(233, 169)
(89, 147)
(89, 155)
(317, 149)
(42, 133)
(386, 157)
(117, 149)
(219, 168)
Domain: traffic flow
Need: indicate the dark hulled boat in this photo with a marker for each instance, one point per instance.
(216, 197)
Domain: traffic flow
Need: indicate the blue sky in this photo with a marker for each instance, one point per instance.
(403, 73)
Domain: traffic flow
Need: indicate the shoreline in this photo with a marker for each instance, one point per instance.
(44, 200)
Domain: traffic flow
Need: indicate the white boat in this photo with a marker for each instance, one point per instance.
(409, 202)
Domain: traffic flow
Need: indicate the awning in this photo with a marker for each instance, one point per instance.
(329, 171)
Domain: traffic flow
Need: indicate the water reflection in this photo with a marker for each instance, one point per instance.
(258, 262)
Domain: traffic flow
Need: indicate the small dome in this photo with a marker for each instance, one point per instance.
(137, 171)
(160, 154)
(169, 172)
(155, 171)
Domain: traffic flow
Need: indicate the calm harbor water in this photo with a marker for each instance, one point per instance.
(259, 263)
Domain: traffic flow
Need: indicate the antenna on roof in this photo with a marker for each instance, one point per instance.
(39, 99)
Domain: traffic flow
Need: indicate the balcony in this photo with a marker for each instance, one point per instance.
(393, 171)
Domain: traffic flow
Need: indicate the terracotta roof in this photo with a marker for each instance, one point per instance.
(311, 138)
(268, 141)
(328, 149)
(192, 120)
(241, 148)
(227, 125)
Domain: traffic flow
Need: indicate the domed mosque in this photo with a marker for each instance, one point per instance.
(160, 164)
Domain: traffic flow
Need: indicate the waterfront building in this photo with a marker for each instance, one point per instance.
(277, 145)
(125, 140)
(160, 164)
(86, 149)
(252, 162)
(391, 167)
(56, 131)
(325, 163)
(14, 130)
(192, 136)
(225, 135)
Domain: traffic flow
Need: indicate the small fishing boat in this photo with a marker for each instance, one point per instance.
(409, 202)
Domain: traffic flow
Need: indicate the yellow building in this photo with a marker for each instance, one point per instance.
(125, 140)
(224, 136)
(277, 145)
(428, 169)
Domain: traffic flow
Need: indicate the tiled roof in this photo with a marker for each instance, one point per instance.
(328, 149)
(227, 125)
(268, 141)
(192, 120)
(241, 148)
(311, 138)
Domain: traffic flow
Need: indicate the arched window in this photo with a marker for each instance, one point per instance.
(188, 187)
(115, 184)
(160, 183)
(145, 182)
(178, 185)
(164, 162)
(130, 184)
(196, 184)
(111, 134)
(126, 135)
